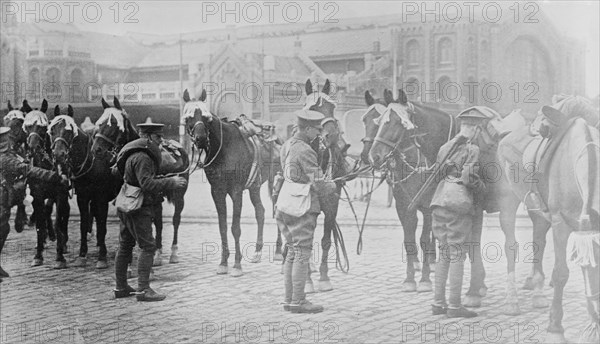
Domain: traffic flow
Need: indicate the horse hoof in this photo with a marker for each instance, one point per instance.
(256, 257)
(528, 285)
(237, 272)
(540, 301)
(512, 309)
(278, 257)
(309, 288)
(222, 270)
(80, 262)
(483, 291)
(409, 287)
(101, 264)
(472, 301)
(173, 259)
(60, 264)
(325, 286)
(37, 262)
(555, 337)
(424, 287)
(157, 258)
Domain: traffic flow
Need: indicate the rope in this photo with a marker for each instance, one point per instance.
(342, 262)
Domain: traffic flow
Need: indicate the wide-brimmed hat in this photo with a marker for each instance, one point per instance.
(478, 112)
(150, 127)
(309, 118)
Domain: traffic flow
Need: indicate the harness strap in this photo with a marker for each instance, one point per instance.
(107, 139)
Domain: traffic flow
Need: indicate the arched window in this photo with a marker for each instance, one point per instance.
(445, 51)
(34, 76)
(77, 82)
(413, 51)
(53, 75)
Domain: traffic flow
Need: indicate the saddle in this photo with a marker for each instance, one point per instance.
(261, 139)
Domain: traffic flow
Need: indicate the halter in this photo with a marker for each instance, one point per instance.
(80, 172)
(207, 149)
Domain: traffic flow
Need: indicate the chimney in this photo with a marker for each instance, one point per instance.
(368, 61)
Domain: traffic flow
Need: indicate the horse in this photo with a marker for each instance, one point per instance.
(93, 181)
(175, 161)
(407, 140)
(567, 182)
(228, 166)
(38, 145)
(14, 120)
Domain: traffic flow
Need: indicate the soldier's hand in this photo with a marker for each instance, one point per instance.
(180, 182)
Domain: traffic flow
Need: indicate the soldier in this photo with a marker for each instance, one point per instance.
(298, 207)
(138, 163)
(14, 120)
(454, 212)
(14, 170)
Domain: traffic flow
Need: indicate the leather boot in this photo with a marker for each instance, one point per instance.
(149, 295)
(305, 306)
(287, 279)
(461, 312)
(299, 272)
(121, 261)
(456, 272)
(144, 268)
(126, 292)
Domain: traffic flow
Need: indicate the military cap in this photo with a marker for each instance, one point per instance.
(150, 127)
(554, 116)
(478, 112)
(310, 118)
(327, 120)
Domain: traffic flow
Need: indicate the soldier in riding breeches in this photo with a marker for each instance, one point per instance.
(454, 213)
(15, 169)
(298, 208)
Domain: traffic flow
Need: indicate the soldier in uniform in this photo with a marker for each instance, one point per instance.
(15, 169)
(298, 207)
(14, 120)
(138, 163)
(455, 210)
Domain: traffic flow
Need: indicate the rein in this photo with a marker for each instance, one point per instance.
(207, 150)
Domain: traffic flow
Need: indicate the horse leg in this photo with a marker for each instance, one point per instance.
(409, 226)
(218, 195)
(477, 287)
(50, 231)
(425, 284)
(507, 223)
(278, 245)
(100, 212)
(540, 230)
(259, 213)
(20, 218)
(40, 228)
(236, 229)
(560, 275)
(83, 203)
(157, 210)
(62, 222)
(330, 213)
(179, 203)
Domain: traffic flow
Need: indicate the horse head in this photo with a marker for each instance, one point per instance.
(114, 130)
(35, 125)
(376, 108)
(14, 120)
(394, 125)
(62, 130)
(196, 117)
(319, 101)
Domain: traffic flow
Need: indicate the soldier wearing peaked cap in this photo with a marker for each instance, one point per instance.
(138, 163)
(298, 207)
(15, 169)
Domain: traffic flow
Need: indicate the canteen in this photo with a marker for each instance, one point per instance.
(28, 198)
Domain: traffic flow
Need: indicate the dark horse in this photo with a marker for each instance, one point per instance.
(228, 165)
(406, 144)
(14, 120)
(175, 161)
(45, 194)
(91, 158)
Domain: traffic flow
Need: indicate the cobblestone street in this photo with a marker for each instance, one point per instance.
(76, 305)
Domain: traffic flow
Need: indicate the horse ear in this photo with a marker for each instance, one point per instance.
(57, 110)
(26, 108)
(70, 111)
(186, 96)
(326, 87)
(44, 107)
(308, 87)
(369, 98)
(116, 103)
(105, 104)
(388, 97)
(9, 105)
(203, 95)
(402, 98)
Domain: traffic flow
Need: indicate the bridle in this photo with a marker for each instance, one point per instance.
(207, 150)
(81, 171)
(114, 145)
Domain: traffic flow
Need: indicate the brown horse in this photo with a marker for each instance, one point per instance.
(228, 166)
(568, 186)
